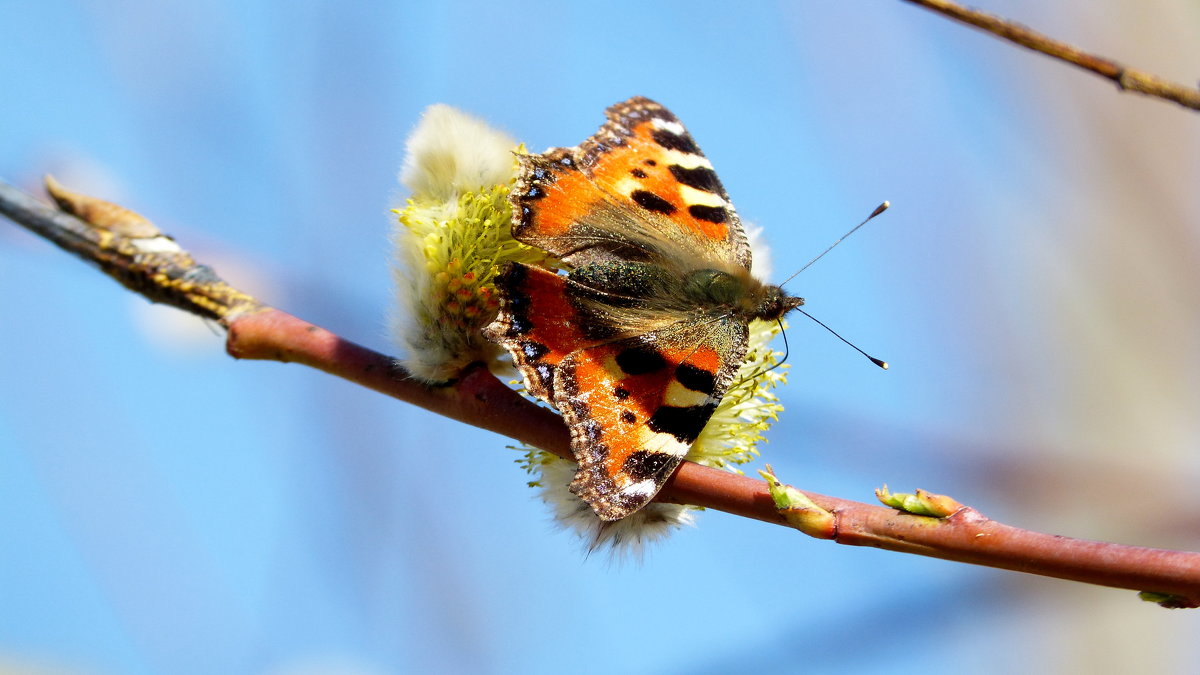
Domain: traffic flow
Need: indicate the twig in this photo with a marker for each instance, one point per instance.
(256, 331)
(127, 248)
(1128, 79)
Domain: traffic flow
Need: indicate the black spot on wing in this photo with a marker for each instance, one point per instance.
(713, 214)
(512, 275)
(516, 326)
(586, 430)
(685, 424)
(536, 173)
(696, 379)
(628, 417)
(516, 304)
(700, 177)
(621, 393)
(640, 360)
(670, 141)
(545, 375)
(646, 464)
(533, 351)
(652, 202)
(638, 173)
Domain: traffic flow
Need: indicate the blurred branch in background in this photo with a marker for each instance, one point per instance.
(1128, 79)
(130, 249)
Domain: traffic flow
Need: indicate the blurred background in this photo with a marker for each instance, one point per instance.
(165, 509)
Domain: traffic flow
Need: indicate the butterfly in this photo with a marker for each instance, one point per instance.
(636, 343)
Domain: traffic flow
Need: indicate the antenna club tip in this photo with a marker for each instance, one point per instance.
(880, 209)
(879, 362)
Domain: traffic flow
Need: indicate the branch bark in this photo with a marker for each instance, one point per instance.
(151, 264)
(1126, 78)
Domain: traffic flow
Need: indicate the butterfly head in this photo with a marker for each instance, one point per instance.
(774, 302)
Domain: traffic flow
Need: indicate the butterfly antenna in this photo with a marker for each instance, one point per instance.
(879, 362)
(878, 210)
(786, 350)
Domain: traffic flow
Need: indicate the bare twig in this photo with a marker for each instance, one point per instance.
(256, 331)
(127, 248)
(1128, 79)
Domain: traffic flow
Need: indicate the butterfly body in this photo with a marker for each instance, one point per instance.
(638, 342)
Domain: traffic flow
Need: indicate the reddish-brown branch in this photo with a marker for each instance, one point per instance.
(1128, 79)
(478, 398)
(481, 399)
(256, 331)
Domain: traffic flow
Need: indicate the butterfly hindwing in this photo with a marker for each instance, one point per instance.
(635, 407)
(634, 404)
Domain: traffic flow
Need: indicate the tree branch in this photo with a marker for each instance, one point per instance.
(1128, 79)
(151, 264)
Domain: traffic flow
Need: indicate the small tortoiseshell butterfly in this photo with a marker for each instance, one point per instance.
(636, 345)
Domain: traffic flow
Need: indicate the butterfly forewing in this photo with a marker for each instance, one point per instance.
(639, 186)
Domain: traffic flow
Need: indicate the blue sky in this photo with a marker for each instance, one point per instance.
(167, 509)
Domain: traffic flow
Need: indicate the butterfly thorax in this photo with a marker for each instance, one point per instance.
(641, 293)
(744, 296)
